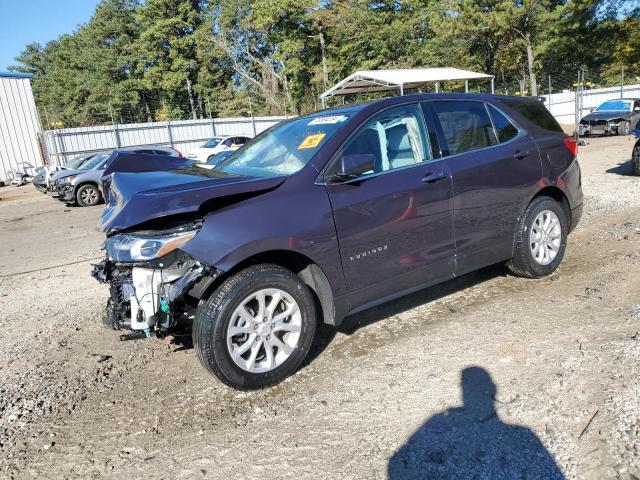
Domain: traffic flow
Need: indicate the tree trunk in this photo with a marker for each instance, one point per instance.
(191, 100)
(530, 61)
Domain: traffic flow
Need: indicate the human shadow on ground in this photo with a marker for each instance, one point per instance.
(471, 442)
(625, 169)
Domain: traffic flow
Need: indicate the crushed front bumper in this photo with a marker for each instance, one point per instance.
(158, 296)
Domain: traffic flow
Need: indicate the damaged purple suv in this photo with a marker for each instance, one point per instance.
(330, 214)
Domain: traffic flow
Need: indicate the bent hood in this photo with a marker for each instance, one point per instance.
(606, 115)
(135, 198)
(66, 173)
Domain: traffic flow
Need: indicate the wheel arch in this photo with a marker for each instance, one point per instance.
(304, 267)
(559, 196)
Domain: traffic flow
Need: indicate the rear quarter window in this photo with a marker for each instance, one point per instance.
(535, 112)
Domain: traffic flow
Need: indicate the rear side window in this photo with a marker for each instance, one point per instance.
(161, 152)
(504, 128)
(535, 112)
(466, 125)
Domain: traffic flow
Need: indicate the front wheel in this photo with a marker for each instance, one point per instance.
(88, 196)
(257, 328)
(541, 239)
(623, 128)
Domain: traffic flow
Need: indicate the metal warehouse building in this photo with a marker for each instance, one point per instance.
(19, 124)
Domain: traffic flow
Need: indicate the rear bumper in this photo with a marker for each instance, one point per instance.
(576, 215)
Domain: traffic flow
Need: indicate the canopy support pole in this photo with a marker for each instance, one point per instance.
(437, 87)
(492, 90)
(401, 89)
(466, 86)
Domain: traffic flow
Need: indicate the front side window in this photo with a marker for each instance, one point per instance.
(466, 125)
(396, 138)
(286, 148)
(504, 128)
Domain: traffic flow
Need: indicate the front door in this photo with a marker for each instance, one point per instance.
(394, 223)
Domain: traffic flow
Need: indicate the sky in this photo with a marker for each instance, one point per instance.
(26, 21)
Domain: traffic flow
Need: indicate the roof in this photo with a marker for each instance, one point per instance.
(385, 80)
(15, 75)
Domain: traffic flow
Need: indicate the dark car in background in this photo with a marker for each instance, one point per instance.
(332, 213)
(612, 117)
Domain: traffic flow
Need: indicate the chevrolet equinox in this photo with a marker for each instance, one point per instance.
(332, 213)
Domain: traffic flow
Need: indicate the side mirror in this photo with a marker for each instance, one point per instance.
(636, 108)
(352, 166)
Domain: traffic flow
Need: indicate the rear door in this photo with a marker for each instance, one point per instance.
(494, 166)
(394, 223)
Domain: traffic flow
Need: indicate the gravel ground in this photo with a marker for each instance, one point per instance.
(487, 376)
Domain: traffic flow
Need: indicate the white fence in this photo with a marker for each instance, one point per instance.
(63, 144)
(563, 105)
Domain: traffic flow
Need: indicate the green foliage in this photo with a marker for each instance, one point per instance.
(141, 60)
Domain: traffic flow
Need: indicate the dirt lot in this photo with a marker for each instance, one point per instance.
(379, 398)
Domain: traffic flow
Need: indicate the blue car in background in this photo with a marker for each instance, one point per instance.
(328, 214)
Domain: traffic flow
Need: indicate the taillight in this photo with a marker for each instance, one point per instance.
(571, 145)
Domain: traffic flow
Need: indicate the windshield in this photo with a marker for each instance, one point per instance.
(212, 143)
(216, 159)
(285, 148)
(76, 163)
(614, 105)
(96, 162)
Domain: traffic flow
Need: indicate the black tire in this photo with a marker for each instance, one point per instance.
(523, 263)
(635, 158)
(88, 195)
(623, 128)
(214, 316)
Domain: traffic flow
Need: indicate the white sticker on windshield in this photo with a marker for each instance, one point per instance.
(328, 120)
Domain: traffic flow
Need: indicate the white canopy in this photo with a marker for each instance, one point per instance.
(400, 79)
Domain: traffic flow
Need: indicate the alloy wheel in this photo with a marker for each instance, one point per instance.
(545, 237)
(264, 330)
(89, 196)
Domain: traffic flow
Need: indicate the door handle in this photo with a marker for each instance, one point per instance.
(520, 154)
(432, 177)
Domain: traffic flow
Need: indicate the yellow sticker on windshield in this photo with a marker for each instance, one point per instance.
(312, 141)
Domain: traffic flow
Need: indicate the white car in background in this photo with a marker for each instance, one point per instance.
(216, 145)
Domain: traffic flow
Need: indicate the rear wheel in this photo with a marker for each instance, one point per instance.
(88, 196)
(256, 328)
(541, 239)
(635, 158)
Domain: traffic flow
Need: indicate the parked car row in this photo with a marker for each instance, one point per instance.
(329, 214)
(79, 181)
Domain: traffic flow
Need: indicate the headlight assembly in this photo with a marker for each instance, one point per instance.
(145, 246)
(67, 180)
